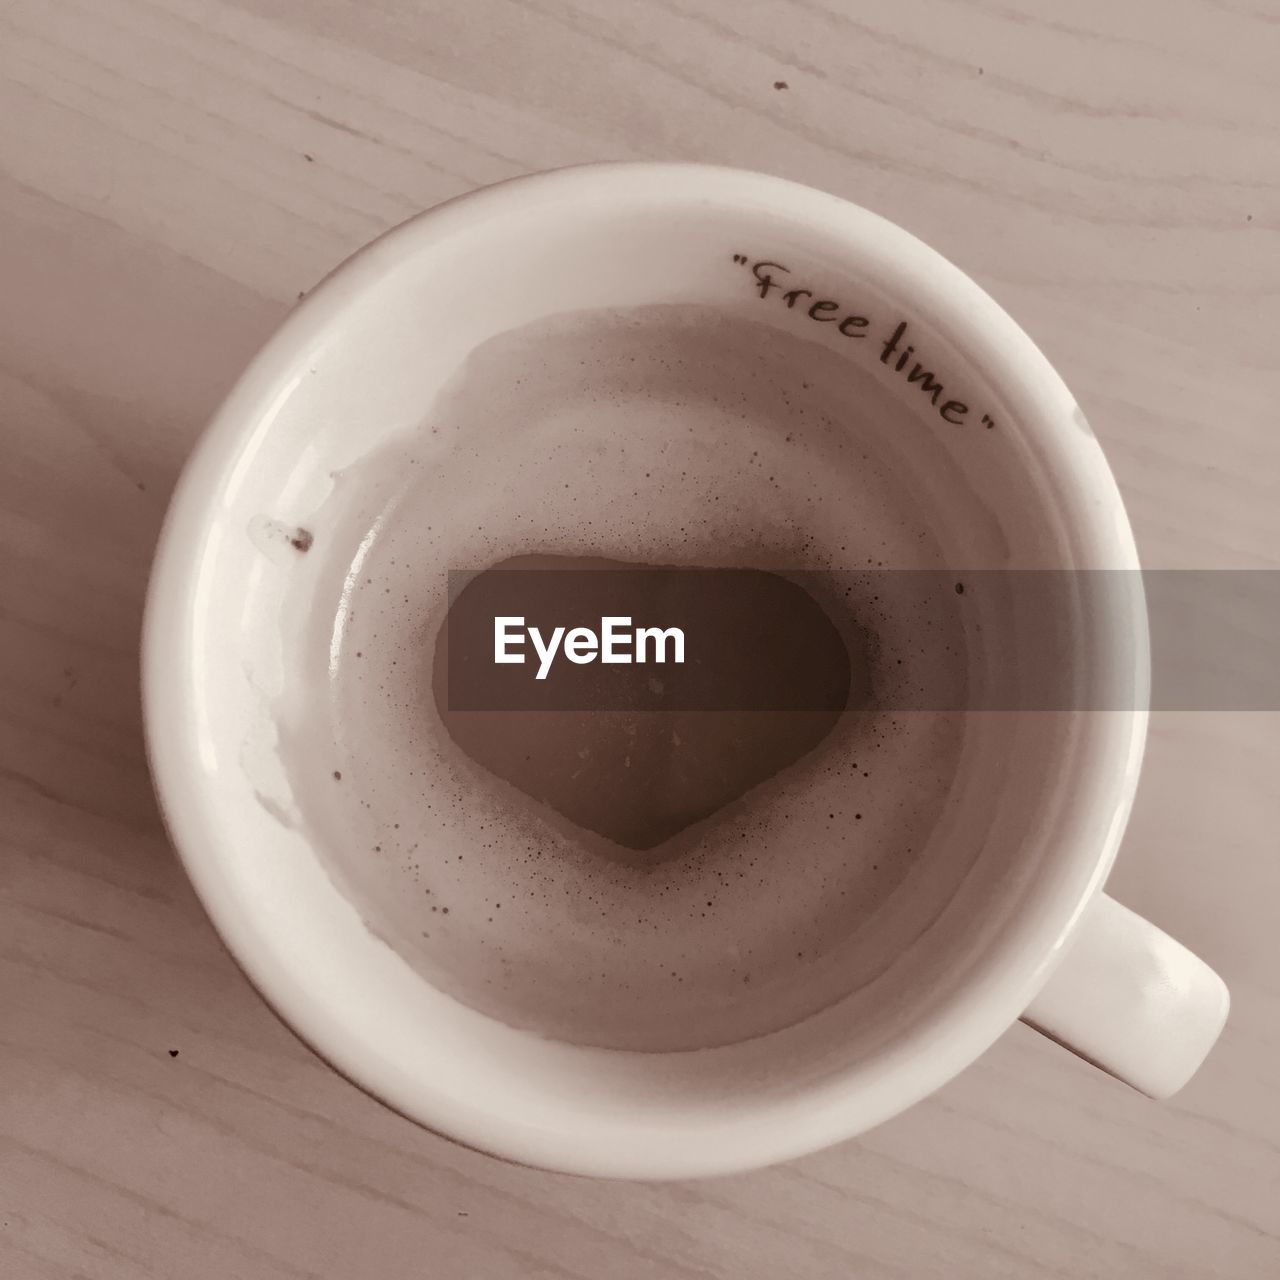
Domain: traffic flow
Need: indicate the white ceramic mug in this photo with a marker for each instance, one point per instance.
(1029, 933)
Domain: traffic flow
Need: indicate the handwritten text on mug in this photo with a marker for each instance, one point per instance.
(895, 350)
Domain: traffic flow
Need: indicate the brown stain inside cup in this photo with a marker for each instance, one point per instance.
(664, 747)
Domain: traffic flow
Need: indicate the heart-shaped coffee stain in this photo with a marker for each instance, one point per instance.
(639, 751)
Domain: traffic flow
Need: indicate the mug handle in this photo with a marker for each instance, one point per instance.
(1129, 999)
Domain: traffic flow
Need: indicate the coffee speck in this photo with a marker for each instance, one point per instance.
(781, 84)
(959, 588)
(302, 540)
(337, 775)
(173, 1053)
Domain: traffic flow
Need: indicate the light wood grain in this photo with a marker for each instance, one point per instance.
(174, 172)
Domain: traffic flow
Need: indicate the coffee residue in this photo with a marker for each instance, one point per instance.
(673, 436)
(769, 678)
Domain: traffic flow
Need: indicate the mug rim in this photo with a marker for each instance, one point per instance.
(1014, 970)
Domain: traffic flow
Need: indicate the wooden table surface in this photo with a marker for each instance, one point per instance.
(174, 172)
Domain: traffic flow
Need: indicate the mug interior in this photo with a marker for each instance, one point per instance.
(1040, 797)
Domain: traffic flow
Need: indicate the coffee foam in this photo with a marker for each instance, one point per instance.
(662, 435)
